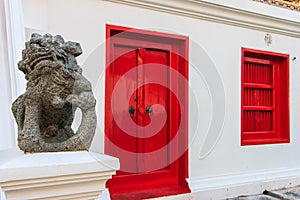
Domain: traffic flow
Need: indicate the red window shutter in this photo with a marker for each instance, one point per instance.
(265, 108)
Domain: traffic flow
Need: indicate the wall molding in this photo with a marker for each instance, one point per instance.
(221, 14)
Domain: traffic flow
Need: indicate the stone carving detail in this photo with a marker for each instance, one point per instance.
(55, 88)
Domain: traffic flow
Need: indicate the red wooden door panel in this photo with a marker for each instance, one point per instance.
(152, 104)
(148, 100)
(125, 59)
(147, 95)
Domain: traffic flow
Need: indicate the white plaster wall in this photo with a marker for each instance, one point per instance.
(85, 21)
(36, 14)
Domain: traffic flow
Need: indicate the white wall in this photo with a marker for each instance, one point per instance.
(220, 45)
(36, 14)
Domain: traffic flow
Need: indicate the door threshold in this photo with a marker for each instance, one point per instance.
(151, 193)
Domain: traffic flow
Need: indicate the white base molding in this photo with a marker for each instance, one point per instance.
(51, 176)
(244, 184)
(225, 187)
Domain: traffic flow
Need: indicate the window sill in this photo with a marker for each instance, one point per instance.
(264, 141)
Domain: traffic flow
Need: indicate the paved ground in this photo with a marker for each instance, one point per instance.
(286, 194)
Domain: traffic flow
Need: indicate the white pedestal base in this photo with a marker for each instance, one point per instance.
(63, 175)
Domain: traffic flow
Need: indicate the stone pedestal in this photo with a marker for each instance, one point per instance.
(62, 175)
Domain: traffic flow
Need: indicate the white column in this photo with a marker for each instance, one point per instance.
(2, 197)
(12, 82)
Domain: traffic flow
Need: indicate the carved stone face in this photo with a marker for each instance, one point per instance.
(49, 48)
(55, 88)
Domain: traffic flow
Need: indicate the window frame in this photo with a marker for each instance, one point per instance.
(280, 120)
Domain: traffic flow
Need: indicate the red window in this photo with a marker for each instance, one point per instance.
(265, 97)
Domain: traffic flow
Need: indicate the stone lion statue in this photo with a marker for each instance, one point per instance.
(55, 89)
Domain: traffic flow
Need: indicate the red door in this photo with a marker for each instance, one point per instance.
(142, 116)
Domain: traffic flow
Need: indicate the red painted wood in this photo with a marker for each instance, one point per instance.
(150, 95)
(133, 50)
(122, 54)
(265, 97)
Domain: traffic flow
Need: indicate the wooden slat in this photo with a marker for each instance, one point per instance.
(258, 132)
(255, 85)
(258, 108)
(252, 60)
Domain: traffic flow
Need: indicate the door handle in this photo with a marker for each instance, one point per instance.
(131, 110)
(149, 110)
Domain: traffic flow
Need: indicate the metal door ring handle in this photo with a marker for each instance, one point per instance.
(149, 109)
(131, 110)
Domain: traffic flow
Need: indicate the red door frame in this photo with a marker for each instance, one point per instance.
(181, 164)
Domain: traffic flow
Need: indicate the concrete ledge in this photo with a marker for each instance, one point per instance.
(62, 175)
